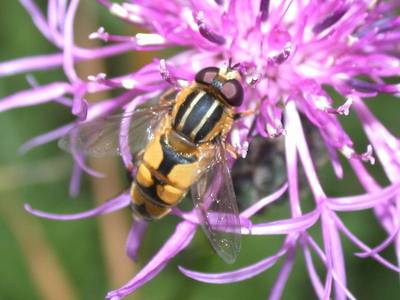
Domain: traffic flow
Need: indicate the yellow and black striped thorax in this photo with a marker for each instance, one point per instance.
(199, 115)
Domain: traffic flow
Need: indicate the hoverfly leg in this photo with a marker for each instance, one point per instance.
(131, 167)
(139, 156)
(245, 113)
(130, 172)
(168, 98)
(232, 151)
(129, 176)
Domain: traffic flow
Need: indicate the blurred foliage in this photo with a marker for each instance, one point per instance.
(26, 241)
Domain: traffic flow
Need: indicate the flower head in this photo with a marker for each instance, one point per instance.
(291, 54)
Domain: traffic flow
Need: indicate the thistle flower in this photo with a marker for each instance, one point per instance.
(289, 53)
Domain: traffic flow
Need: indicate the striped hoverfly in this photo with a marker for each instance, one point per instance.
(178, 145)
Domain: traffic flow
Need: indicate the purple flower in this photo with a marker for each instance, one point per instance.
(289, 52)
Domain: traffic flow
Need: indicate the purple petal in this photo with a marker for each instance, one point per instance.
(45, 138)
(37, 18)
(38, 95)
(328, 285)
(80, 160)
(75, 181)
(385, 144)
(388, 241)
(287, 226)
(49, 61)
(135, 238)
(25, 64)
(364, 247)
(177, 242)
(312, 273)
(190, 216)
(209, 34)
(331, 273)
(334, 159)
(334, 252)
(364, 201)
(55, 14)
(314, 245)
(269, 122)
(264, 10)
(343, 287)
(240, 274)
(260, 204)
(109, 206)
(293, 123)
(68, 62)
(292, 172)
(280, 283)
(62, 100)
(329, 20)
(382, 210)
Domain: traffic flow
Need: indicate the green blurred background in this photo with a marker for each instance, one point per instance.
(41, 259)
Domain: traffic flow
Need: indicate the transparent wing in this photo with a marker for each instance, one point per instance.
(215, 201)
(107, 136)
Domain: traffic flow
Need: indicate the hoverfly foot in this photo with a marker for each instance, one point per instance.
(232, 151)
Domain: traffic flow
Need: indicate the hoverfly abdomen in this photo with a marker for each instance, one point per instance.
(163, 177)
(142, 208)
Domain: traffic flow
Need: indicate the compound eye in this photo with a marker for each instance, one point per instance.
(206, 75)
(232, 91)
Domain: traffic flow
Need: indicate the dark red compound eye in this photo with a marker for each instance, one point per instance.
(206, 75)
(232, 91)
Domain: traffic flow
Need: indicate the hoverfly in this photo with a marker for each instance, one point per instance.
(179, 145)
